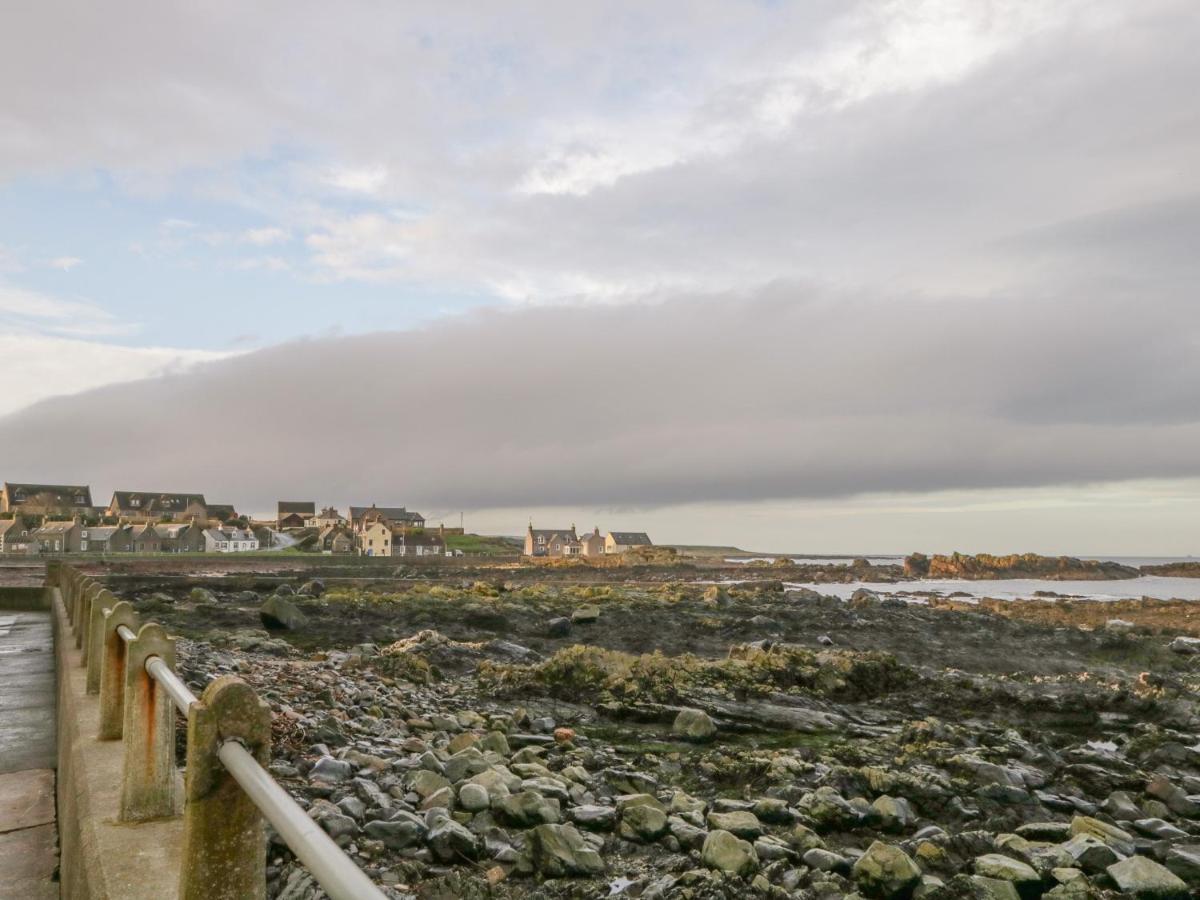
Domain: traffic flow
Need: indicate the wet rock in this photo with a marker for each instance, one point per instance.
(642, 824)
(1184, 861)
(592, 817)
(886, 871)
(1145, 879)
(560, 850)
(742, 823)
(277, 612)
(398, 833)
(451, 842)
(893, 813)
(1176, 799)
(329, 769)
(694, 725)
(728, 853)
(1021, 875)
(559, 627)
(1185, 646)
(1120, 840)
(586, 615)
(526, 809)
(826, 861)
(1090, 853)
(314, 588)
(473, 797)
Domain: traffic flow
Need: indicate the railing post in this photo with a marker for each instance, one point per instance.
(93, 640)
(112, 668)
(224, 844)
(148, 782)
(84, 590)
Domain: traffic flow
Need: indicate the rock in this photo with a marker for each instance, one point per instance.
(715, 595)
(586, 615)
(864, 599)
(277, 613)
(1159, 828)
(804, 838)
(728, 853)
(592, 817)
(886, 871)
(895, 813)
(826, 861)
(329, 769)
(1176, 799)
(983, 888)
(694, 725)
(1186, 646)
(1121, 807)
(1022, 876)
(526, 809)
(451, 842)
(1119, 626)
(314, 588)
(742, 823)
(1120, 840)
(1090, 853)
(772, 810)
(1185, 862)
(560, 850)
(473, 797)
(1144, 879)
(202, 596)
(642, 824)
(397, 833)
(559, 627)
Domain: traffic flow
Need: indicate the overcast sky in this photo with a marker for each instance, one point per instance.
(822, 276)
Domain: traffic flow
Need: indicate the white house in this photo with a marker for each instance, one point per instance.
(229, 540)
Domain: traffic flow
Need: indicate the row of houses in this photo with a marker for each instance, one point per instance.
(130, 506)
(18, 536)
(556, 542)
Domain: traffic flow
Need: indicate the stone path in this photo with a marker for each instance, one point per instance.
(28, 838)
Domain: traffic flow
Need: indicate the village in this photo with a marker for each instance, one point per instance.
(53, 519)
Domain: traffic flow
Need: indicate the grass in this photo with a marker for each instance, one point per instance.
(479, 544)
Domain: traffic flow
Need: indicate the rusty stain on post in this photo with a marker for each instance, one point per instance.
(148, 781)
(112, 669)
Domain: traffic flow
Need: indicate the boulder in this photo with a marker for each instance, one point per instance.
(694, 725)
(404, 830)
(1021, 875)
(1185, 646)
(559, 627)
(742, 823)
(279, 613)
(728, 853)
(1144, 879)
(886, 872)
(586, 615)
(473, 798)
(642, 824)
(592, 817)
(560, 850)
(526, 809)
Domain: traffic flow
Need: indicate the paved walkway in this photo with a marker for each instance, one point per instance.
(28, 839)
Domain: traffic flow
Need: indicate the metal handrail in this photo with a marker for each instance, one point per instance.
(328, 863)
(341, 878)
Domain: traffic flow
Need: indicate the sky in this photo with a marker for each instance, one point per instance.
(829, 277)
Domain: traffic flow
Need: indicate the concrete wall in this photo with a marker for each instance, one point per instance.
(12, 598)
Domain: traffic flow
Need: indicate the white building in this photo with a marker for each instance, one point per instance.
(229, 540)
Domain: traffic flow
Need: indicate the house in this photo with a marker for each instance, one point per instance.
(58, 537)
(592, 544)
(180, 538)
(46, 499)
(620, 541)
(417, 542)
(552, 542)
(229, 540)
(265, 535)
(375, 539)
(335, 539)
(15, 536)
(155, 506)
(327, 517)
(222, 512)
(146, 539)
(294, 513)
(106, 539)
(362, 516)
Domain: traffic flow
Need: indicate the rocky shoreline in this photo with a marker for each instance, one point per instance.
(549, 739)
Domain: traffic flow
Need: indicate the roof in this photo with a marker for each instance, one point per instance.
(392, 513)
(217, 508)
(170, 531)
(155, 501)
(104, 532)
(63, 494)
(427, 539)
(229, 534)
(302, 507)
(628, 538)
(548, 533)
(55, 527)
(7, 525)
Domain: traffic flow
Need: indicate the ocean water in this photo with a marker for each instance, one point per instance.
(1022, 588)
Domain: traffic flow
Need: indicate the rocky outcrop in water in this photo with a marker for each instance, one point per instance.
(1015, 565)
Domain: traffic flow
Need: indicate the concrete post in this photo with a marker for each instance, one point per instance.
(112, 669)
(84, 588)
(148, 782)
(93, 640)
(224, 844)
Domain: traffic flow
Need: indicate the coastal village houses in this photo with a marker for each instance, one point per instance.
(381, 538)
(229, 540)
(563, 542)
(294, 513)
(46, 499)
(327, 517)
(15, 536)
(155, 506)
(59, 537)
(106, 539)
(363, 516)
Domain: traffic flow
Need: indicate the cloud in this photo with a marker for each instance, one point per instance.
(265, 237)
(792, 392)
(64, 263)
(22, 309)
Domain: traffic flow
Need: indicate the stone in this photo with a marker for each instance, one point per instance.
(1176, 799)
(1090, 853)
(279, 613)
(1185, 646)
(984, 888)
(405, 830)
(1120, 840)
(894, 813)
(826, 861)
(559, 627)
(526, 809)
(742, 823)
(592, 817)
(1022, 876)
(1184, 861)
(728, 853)
(451, 842)
(642, 824)
(560, 850)
(1144, 879)
(886, 871)
(473, 797)
(329, 769)
(586, 615)
(694, 725)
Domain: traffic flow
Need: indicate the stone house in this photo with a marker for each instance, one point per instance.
(146, 539)
(106, 539)
(180, 538)
(294, 513)
(552, 542)
(327, 517)
(375, 539)
(397, 516)
(222, 512)
(58, 537)
(417, 542)
(15, 536)
(155, 506)
(621, 541)
(335, 539)
(592, 544)
(46, 499)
